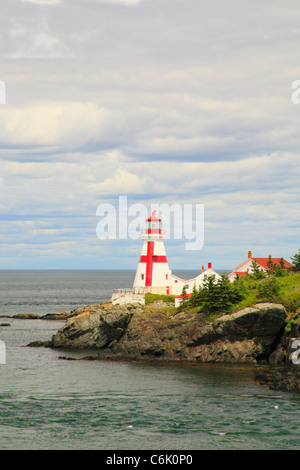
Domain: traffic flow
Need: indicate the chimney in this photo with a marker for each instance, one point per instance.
(202, 268)
(209, 265)
(249, 254)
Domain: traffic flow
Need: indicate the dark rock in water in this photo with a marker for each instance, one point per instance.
(5, 324)
(73, 313)
(67, 358)
(284, 378)
(27, 316)
(56, 316)
(39, 344)
(89, 358)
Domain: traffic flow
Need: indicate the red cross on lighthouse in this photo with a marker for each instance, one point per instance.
(153, 270)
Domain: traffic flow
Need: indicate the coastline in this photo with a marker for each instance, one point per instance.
(151, 334)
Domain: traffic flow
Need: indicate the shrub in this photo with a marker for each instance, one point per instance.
(268, 288)
(218, 296)
(296, 262)
(256, 273)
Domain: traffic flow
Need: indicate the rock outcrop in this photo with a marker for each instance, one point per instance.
(71, 313)
(286, 378)
(27, 316)
(135, 332)
(94, 328)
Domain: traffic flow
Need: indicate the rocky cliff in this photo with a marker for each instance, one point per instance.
(135, 332)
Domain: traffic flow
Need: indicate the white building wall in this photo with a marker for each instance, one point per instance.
(203, 276)
(176, 284)
(197, 281)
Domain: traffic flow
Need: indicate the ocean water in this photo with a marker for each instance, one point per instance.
(50, 403)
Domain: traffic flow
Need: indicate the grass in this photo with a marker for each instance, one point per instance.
(289, 294)
(150, 298)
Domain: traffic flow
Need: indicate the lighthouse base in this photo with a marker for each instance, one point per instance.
(121, 297)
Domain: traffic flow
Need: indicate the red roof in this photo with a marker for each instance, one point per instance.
(243, 273)
(264, 262)
(153, 218)
(181, 296)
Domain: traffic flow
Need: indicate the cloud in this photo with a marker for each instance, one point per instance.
(52, 123)
(123, 2)
(42, 2)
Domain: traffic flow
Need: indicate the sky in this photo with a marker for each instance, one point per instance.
(162, 101)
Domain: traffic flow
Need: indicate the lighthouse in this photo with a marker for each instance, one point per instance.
(153, 273)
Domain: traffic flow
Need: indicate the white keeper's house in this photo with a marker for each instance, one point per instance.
(246, 266)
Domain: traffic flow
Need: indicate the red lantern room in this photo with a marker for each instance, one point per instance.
(153, 224)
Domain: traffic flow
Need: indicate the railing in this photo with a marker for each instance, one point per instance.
(122, 291)
(145, 232)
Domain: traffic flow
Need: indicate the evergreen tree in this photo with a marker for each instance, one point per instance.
(238, 290)
(194, 299)
(281, 263)
(280, 268)
(296, 261)
(257, 273)
(270, 265)
(219, 296)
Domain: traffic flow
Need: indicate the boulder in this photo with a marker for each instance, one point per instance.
(56, 316)
(72, 313)
(94, 328)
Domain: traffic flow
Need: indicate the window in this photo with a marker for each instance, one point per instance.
(167, 277)
(142, 276)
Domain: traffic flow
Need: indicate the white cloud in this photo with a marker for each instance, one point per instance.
(53, 123)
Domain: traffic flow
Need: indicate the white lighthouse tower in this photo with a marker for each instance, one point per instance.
(153, 273)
